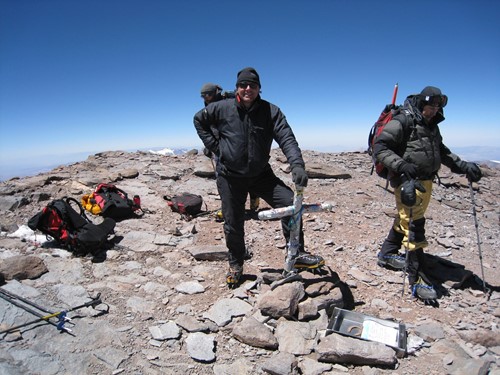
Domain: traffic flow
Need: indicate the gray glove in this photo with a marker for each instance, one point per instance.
(408, 192)
(299, 175)
(472, 171)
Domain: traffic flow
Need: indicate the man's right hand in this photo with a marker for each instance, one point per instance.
(299, 175)
(409, 170)
(408, 192)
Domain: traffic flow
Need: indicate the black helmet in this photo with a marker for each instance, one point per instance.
(431, 95)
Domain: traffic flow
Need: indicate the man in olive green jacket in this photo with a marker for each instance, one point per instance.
(412, 149)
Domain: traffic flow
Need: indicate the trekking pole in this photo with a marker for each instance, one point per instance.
(61, 315)
(477, 232)
(36, 313)
(24, 300)
(405, 270)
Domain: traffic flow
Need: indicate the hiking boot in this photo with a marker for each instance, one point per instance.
(233, 276)
(423, 290)
(254, 204)
(308, 261)
(391, 261)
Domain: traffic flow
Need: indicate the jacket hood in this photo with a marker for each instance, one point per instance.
(413, 103)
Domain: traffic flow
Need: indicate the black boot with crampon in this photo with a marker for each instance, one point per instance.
(301, 262)
(421, 286)
(233, 276)
(307, 261)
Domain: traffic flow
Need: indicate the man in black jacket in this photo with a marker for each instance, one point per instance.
(240, 132)
(210, 92)
(412, 149)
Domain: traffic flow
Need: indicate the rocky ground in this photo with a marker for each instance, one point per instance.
(165, 307)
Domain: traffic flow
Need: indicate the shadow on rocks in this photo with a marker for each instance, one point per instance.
(442, 271)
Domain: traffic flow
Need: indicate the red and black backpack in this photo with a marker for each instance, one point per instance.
(72, 230)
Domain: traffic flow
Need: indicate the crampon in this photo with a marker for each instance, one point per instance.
(233, 277)
(306, 261)
(425, 292)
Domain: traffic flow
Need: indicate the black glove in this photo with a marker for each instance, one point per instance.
(472, 171)
(207, 152)
(409, 170)
(299, 175)
(408, 193)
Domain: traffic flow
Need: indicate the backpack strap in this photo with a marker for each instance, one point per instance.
(77, 219)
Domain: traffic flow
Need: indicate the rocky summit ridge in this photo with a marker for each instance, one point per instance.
(165, 306)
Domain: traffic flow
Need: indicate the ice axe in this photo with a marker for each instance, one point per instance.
(295, 212)
(395, 94)
(476, 224)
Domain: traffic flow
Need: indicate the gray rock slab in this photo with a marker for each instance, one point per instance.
(141, 305)
(468, 366)
(298, 338)
(191, 324)
(225, 309)
(201, 347)
(190, 287)
(280, 364)
(71, 295)
(360, 275)
(139, 241)
(254, 333)
(166, 331)
(241, 366)
(310, 366)
(316, 170)
(37, 362)
(209, 252)
(61, 270)
(112, 357)
(339, 349)
(430, 331)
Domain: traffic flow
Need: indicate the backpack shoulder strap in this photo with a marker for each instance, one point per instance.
(408, 122)
(77, 219)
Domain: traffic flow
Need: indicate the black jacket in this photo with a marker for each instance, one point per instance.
(242, 138)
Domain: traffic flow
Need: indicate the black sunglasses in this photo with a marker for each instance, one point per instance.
(208, 93)
(244, 85)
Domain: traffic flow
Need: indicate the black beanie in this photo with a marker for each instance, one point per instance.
(248, 75)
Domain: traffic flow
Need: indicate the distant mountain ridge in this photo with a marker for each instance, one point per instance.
(487, 155)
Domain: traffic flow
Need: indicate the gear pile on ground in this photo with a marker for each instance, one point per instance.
(166, 308)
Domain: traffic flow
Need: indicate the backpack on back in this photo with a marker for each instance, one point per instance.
(405, 116)
(108, 200)
(187, 204)
(72, 230)
(388, 113)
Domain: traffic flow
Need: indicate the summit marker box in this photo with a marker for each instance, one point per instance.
(354, 324)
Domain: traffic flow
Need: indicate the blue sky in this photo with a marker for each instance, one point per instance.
(79, 77)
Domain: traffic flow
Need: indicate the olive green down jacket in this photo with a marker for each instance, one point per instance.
(409, 138)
